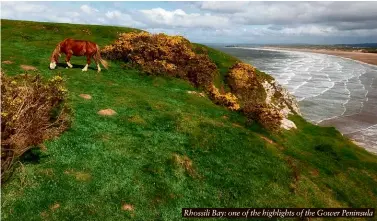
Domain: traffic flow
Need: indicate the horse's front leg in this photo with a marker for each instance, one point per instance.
(87, 63)
(67, 59)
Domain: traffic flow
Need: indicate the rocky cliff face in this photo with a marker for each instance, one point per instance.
(278, 98)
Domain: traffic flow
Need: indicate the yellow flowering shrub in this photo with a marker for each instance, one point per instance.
(246, 85)
(242, 79)
(32, 111)
(228, 100)
(163, 55)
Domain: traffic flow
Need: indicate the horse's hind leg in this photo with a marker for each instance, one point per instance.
(67, 59)
(87, 63)
(97, 63)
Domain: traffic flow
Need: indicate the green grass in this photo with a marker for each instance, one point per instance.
(101, 163)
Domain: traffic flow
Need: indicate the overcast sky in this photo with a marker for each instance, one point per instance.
(218, 22)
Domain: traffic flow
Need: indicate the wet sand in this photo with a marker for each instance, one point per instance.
(369, 58)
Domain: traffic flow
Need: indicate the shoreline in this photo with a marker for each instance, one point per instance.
(360, 127)
(353, 126)
(367, 58)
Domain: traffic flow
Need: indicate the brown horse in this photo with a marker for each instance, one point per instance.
(77, 48)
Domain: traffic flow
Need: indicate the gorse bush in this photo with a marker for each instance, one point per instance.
(264, 114)
(246, 85)
(32, 111)
(228, 100)
(243, 82)
(163, 55)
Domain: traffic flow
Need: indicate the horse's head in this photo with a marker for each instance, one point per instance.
(55, 57)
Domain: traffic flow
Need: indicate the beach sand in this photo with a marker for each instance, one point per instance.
(369, 58)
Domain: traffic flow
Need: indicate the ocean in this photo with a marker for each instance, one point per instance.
(330, 90)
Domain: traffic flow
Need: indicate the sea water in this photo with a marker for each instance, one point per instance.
(330, 90)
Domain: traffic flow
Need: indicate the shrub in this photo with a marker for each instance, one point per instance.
(163, 55)
(241, 76)
(264, 114)
(228, 100)
(32, 111)
(245, 84)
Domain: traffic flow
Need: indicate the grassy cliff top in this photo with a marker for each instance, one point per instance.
(166, 149)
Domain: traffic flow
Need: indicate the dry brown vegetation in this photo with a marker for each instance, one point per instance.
(268, 117)
(185, 163)
(32, 111)
(7, 62)
(28, 68)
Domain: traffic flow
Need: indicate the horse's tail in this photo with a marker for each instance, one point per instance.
(56, 53)
(98, 55)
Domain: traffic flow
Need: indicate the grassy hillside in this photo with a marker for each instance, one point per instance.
(165, 148)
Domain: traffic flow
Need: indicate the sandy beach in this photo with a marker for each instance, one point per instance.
(369, 58)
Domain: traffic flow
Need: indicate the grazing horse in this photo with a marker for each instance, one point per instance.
(77, 48)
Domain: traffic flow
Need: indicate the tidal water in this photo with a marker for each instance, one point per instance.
(331, 90)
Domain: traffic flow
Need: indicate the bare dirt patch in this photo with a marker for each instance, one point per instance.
(266, 139)
(86, 96)
(184, 162)
(28, 68)
(44, 214)
(7, 62)
(55, 206)
(271, 142)
(127, 207)
(106, 112)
